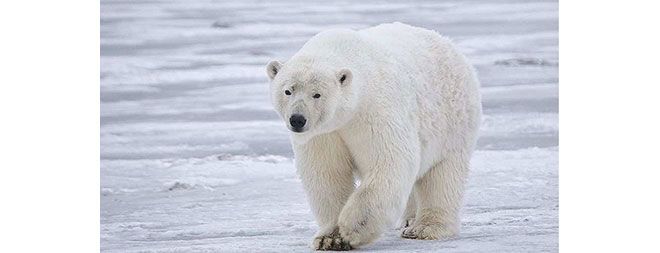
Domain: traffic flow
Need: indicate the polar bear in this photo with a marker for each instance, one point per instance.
(383, 123)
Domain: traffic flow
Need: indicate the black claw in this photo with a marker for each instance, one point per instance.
(318, 247)
(334, 244)
(346, 246)
(408, 236)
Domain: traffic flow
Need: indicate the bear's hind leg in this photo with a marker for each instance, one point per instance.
(408, 216)
(439, 196)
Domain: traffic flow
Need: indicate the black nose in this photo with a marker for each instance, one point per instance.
(297, 121)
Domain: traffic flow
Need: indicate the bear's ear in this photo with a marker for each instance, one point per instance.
(273, 68)
(345, 76)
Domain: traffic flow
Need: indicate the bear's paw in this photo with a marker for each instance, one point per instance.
(434, 231)
(332, 241)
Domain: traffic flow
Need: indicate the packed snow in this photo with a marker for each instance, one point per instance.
(194, 159)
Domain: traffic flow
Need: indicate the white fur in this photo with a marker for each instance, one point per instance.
(403, 123)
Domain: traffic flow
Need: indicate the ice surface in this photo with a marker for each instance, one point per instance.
(193, 158)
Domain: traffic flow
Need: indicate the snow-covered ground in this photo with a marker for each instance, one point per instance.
(193, 158)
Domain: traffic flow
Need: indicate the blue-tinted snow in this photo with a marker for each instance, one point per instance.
(193, 158)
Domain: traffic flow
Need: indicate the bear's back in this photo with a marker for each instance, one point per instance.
(404, 41)
(397, 32)
(392, 42)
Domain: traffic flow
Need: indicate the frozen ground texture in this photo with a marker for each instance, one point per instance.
(193, 159)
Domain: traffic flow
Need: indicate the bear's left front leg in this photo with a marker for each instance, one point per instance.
(326, 172)
(388, 169)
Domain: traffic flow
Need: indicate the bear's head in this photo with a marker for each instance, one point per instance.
(310, 97)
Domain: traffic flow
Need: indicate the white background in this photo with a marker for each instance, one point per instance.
(50, 139)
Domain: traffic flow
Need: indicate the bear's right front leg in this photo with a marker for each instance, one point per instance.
(326, 171)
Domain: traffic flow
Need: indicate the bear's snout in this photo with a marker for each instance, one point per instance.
(297, 122)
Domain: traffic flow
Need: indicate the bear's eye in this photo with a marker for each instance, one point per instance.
(287, 92)
(317, 95)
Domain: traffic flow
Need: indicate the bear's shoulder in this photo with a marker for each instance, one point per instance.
(332, 40)
(335, 36)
